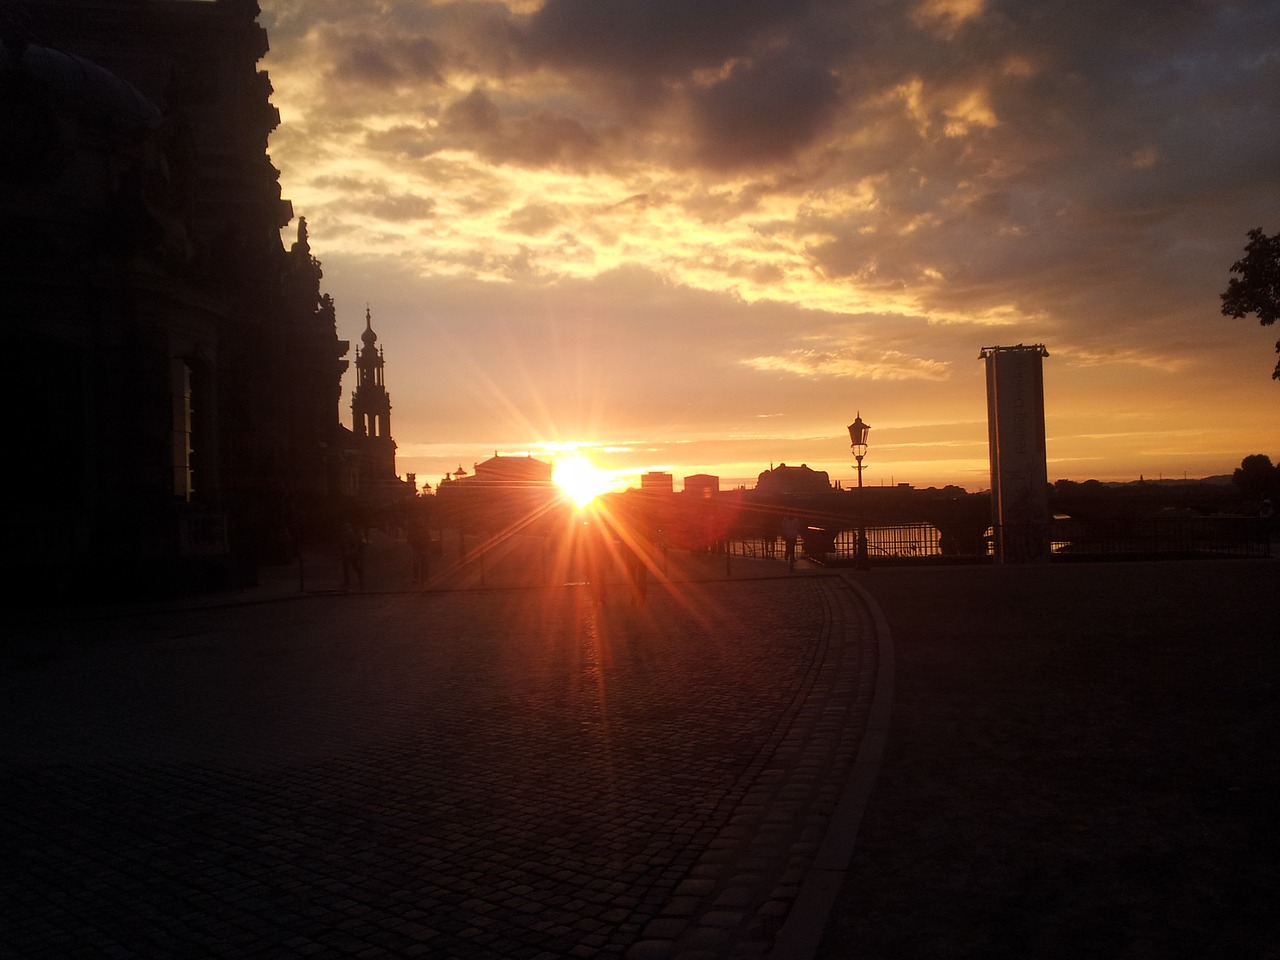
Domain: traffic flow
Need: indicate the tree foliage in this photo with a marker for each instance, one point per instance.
(1256, 477)
(1256, 289)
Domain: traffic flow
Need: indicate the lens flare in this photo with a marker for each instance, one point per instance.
(580, 479)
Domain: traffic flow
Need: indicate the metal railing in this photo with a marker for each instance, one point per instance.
(1161, 537)
(889, 541)
(766, 548)
(898, 541)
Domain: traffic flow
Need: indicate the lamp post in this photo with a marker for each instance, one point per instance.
(858, 443)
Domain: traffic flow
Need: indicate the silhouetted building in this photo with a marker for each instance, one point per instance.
(512, 471)
(371, 409)
(701, 485)
(503, 494)
(655, 481)
(1019, 470)
(784, 481)
(372, 490)
(184, 365)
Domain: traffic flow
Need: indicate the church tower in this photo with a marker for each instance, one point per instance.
(371, 409)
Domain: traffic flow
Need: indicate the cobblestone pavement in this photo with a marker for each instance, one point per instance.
(498, 773)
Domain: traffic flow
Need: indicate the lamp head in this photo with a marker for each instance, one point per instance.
(858, 436)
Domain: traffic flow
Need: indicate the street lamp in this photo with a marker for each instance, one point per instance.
(858, 442)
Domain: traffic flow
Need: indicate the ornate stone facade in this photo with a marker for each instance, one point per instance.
(180, 369)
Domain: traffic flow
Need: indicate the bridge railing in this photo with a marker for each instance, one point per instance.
(1161, 537)
(1070, 539)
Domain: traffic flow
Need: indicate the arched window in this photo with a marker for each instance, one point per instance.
(180, 375)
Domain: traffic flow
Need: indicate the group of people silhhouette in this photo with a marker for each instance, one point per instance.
(604, 547)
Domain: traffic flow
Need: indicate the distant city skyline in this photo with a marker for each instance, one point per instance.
(701, 237)
(616, 462)
(897, 454)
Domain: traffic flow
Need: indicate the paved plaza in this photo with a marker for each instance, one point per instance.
(509, 772)
(1083, 760)
(1080, 760)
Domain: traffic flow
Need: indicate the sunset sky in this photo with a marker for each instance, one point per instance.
(701, 236)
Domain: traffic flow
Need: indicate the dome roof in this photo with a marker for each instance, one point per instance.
(81, 82)
(368, 337)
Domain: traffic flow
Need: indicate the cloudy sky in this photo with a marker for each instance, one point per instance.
(701, 235)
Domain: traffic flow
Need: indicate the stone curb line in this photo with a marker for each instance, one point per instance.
(802, 933)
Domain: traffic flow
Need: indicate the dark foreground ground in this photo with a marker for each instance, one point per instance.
(1083, 761)
(523, 772)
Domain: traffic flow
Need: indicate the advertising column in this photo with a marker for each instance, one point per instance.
(1019, 473)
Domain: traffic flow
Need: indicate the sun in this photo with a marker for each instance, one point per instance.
(580, 479)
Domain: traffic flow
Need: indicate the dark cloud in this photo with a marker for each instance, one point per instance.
(400, 207)
(763, 112)
(475, 123)
(1114, 135)
(475, 114)
(534, 219)
(383, 61)
(654, 39)
(409, 141)
(538, 139)
(387, 60)
(374, 197)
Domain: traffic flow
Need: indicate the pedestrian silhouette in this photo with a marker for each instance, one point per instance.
(419, 536)
(790, 533)
(351, 543)
(595, 555)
